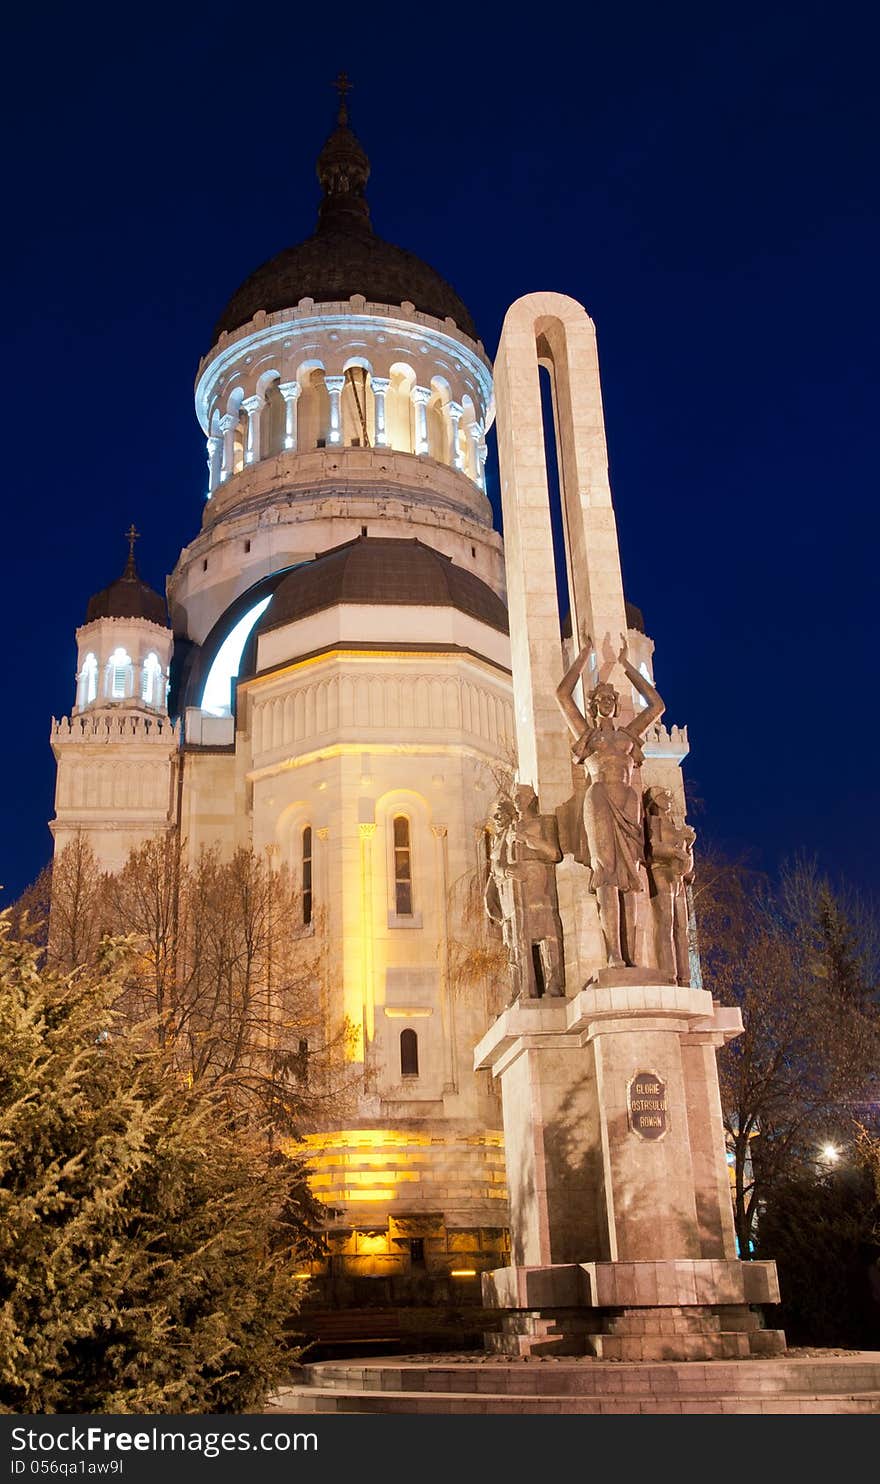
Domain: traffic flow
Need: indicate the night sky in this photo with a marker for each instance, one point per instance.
(702, 179)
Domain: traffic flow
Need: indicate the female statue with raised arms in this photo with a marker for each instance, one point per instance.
(610, 756)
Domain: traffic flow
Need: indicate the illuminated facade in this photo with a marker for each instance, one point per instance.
(337, 649)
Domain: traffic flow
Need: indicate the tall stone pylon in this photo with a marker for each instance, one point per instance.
(553, 331)
(622, 1233)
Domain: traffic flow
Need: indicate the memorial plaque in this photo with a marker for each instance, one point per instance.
(648, 1114)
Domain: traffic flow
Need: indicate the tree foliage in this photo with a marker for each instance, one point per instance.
(822, 1227)
(798, 962)
(148, 1240)
(224, 968)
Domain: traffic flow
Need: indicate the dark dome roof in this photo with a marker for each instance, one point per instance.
(634, 619)
(128, 597)
(381, 570)
(344, 256)
(333, 265)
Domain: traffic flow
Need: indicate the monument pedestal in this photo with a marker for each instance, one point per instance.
(621, 1223)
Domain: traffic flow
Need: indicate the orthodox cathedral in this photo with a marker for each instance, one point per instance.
(328, 680)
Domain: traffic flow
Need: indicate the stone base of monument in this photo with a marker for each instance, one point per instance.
(821, 1382)
(637, 1311)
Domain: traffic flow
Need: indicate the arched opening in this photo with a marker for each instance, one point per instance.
(399, 410)
(409, 1053)
(306, 868)
(438, 440)
(557, 513)
(313, 414)
(119, 675)
(272, 422)
(151, 681)
(88, 681)
(239, 439)
(358, 407)
(467, 445)
(403, 886)
(217, 694)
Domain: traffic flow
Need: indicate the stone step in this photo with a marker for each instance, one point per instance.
(304, 1400)
(857, 1374)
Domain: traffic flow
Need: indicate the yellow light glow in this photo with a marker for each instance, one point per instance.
(370, 1243)
(367, 1017)
(302, 1276)
(368, 1195)
(407, 1014)
(350, 749)
(369, 1137)
(463, 1273)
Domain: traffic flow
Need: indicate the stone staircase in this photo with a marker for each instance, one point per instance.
(832, 1383)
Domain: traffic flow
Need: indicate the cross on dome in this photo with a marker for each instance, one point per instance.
(342, 86)
(132, 535)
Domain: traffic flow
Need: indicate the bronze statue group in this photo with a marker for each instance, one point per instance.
(633, 844)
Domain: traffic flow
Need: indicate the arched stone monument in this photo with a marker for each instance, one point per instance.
(622, 1232)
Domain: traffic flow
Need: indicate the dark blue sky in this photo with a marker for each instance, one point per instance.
(702, 180)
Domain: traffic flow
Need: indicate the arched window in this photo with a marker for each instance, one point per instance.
(438, 439)
(307, 874)
(403, 902)
(313, 411)
(119, 675)
(358, 407)
(272, 422)
(217, 694)
(409, 1053)
(151, 680)
(88, 680)
(238, 445)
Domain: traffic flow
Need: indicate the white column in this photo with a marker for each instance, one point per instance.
(455, 411)
(253, 406)
(214, 446)
(227, 428)
(421, 396)
(334, 385)
(475, 432)
(290, 391)
(380, 385)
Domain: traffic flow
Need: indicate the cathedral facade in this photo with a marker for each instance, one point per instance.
(328, 682)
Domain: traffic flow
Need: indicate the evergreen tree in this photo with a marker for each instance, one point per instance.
(148, 1245)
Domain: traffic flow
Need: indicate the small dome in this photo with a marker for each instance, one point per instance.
(129, 596)
(344, 256)
(634, 619)
(382, 570)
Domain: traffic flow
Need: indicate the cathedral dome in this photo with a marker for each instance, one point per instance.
(344, 256)
(374, 570)
(128, 597)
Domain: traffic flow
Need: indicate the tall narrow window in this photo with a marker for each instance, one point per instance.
(307, 874)
(402, 867)
(409, 1054)
(118, 675)
(151, 681)
(88, 680)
